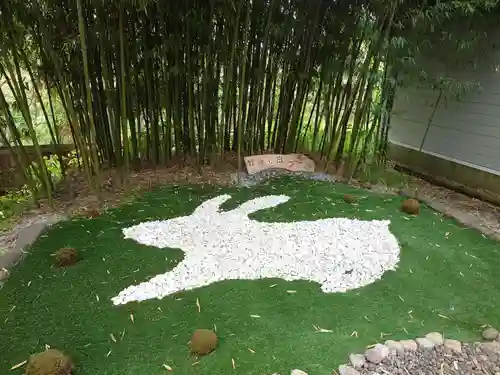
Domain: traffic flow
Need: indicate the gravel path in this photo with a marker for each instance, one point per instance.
(247, 180)
(476, 358)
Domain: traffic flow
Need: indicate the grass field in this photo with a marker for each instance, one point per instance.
(447, 281)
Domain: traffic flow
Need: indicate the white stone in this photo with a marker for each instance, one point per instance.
(453, 345)
(298, 372)
(424, 344)
(435, 337)
(377, 354)
(395, 347)
(347, 370)
(357, 360)
(338, 253)
(409, 345)
(4, 274)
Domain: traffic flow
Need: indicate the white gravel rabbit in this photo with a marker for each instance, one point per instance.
(338, 253)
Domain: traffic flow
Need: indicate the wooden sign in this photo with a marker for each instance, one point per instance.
(290, 162)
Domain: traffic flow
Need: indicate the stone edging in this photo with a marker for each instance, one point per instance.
(20, 239)
(377, 353)
(460, 217)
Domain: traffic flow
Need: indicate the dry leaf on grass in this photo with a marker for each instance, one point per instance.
(167, 367)
(18, 365)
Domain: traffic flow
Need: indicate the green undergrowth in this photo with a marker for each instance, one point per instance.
(447, 281)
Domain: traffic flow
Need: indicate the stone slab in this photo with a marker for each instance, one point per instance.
(290, 162)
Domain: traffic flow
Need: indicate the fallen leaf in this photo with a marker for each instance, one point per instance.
(291, 291)
(198, 305)
(18, 365)
(234, 364)
(107, 355)
(132, 317)
(112, 337)
(251, 351)
(324, 330)
(255, 316)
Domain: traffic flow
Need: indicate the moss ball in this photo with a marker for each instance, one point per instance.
(203, 341)
(65, 257)
(50, 362)
(411, 206)
(348, 198)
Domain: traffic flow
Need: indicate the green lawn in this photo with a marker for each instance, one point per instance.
(447, 281)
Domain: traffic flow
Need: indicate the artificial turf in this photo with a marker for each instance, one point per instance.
(447, 281)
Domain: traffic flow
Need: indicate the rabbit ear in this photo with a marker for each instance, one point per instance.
(211, 206)
(260, 204)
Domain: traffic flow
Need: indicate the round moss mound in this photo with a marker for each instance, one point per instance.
(411, 206)
(50, 362)
(348, 198)
(203, 341)
(65, 257)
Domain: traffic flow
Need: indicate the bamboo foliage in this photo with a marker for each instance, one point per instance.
(144, 81)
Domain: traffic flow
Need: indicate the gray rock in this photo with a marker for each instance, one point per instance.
(357, 360)
(347, 370)
(492, 347)
(453, 346)
(395, 347)
(424, 344)
(435, 337)
(409, 345)
(490, 334)
(377, 354)
(298, 372)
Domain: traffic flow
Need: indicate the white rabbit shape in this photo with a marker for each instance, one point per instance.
(338, 253)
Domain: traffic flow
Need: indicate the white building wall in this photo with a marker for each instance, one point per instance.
(465, 131)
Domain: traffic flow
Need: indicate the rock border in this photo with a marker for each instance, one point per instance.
(377, 353)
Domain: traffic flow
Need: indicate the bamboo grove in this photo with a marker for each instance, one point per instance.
(147, 81)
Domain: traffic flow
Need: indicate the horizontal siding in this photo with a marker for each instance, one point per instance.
(407, 132)
(478, 150)
(466, 131)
